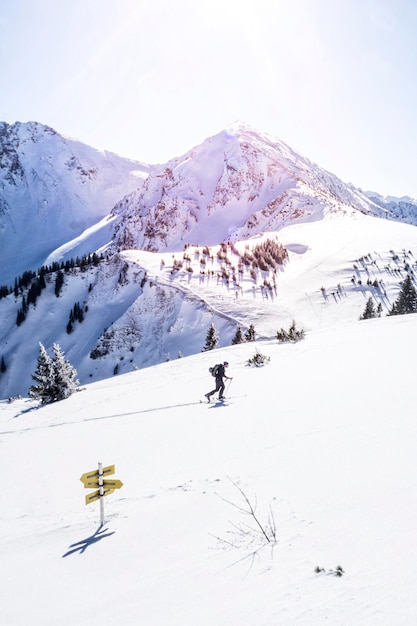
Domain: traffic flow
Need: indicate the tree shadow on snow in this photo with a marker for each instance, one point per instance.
(29, 409)
(81, 546)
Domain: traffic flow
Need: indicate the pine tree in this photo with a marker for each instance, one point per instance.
(212, 338)
(407, 299)
(59, 281)
(238, 338)
(43, 377)
(55, 377)
(250, 333)
(369, 311)
(20, 317)
(64, 375)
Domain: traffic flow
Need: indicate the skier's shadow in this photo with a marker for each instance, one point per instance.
(81, 546)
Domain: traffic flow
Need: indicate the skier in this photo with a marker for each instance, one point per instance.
(220, 375)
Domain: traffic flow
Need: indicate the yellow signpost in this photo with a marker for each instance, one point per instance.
(95, 495)
(95, 479)
(112, 484)
(94, 474)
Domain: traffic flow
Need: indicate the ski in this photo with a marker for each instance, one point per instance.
(221, 400)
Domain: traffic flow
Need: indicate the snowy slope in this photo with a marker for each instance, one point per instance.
(141, 310)
(51, 189)
(322, 438)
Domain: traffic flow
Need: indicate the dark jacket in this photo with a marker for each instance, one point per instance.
(221, 373)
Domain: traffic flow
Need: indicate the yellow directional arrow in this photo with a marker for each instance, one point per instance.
(94, 484)
(95, 495)
(90, 478)
(113, 484)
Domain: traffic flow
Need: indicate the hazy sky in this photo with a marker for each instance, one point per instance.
(149, 79)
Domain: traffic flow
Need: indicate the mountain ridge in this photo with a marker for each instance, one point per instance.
(261, 183)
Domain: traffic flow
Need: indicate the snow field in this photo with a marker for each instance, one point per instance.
(324, 436)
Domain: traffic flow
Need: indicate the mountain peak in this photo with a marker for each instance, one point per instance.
(239, 127)
(244, 131)
(236, 184)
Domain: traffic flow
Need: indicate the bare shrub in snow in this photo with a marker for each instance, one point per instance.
(253, 534)
(291, 334)
(258, 359)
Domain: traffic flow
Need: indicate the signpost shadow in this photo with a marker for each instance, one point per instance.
(81, 546)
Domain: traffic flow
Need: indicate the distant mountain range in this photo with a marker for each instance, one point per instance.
(234, 185)
(168, 239)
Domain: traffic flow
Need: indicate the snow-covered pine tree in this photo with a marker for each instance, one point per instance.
(250, 333)
(43, 377)
(407, 299)
(238, 338)
(212, 338)
(64, 375)
(56, 378)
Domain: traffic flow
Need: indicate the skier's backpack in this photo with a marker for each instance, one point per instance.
(214, 370)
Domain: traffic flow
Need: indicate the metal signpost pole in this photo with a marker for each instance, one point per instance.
(100, 485)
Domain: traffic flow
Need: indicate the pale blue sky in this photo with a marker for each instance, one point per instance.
(149, 79)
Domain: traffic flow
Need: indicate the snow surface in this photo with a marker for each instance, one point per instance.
(322, 438)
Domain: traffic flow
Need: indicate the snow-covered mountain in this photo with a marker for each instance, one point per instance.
(51, 189)
(178, 253)
(235, 185)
